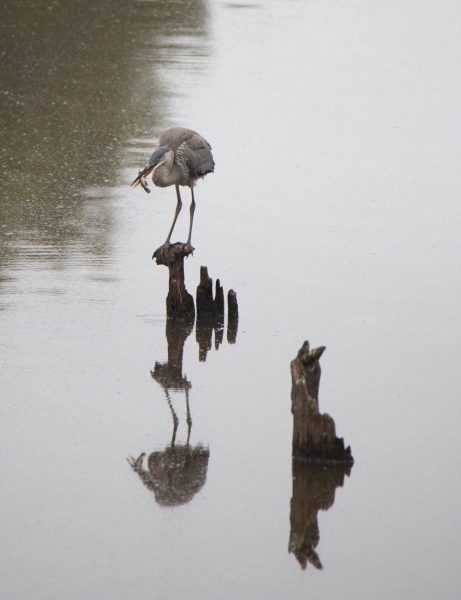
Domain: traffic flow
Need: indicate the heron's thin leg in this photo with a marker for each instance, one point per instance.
(178, 210)
(192, 210)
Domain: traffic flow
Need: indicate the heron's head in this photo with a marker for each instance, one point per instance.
(158, 158)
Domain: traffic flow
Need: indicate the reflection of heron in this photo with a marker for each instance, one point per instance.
(178, 472)
(170, 376)
(183, 156)
(162, 373)
(175, 474)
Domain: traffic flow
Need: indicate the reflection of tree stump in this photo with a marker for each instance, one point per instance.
(179, 303)
(169, 375)
(314, 434)
(313, 490)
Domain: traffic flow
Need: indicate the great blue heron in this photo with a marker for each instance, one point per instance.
(183, 156)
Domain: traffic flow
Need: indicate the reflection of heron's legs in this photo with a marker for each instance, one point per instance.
(189, 418)
(192, 210)
(175, 418)
(177, 211)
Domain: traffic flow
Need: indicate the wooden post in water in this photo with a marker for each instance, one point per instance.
(314, 434)
(210, 314)
(210, 310)
(179, 303)
(207, 306)
(232, 317)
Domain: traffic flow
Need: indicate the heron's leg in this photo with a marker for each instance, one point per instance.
(192, 210)
(178, 210)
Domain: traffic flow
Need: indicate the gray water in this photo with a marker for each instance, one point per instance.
(333, 212)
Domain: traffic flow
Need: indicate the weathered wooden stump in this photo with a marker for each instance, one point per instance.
(210, 310)
(179, 303)
(232, 307)
(219, 302)
(232, 317)
(210, 314)
(207, 306)
(314, 434)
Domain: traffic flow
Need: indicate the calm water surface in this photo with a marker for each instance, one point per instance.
(334, 213)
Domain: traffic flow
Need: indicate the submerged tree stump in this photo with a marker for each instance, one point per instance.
(314, 434)
(179, 303)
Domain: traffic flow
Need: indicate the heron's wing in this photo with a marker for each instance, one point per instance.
(191, 149)
(197, 155)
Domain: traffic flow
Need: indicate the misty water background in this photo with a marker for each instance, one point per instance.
(333, 212)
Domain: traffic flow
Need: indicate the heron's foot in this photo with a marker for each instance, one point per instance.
(161, 254)
(168, 253)
(188, 249)
(136, 463)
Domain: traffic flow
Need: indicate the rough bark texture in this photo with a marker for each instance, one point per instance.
(207, 306)
(179, 303)
(219, 301)
(232, 317)
(210, 311)
(232, 306)
(314, 434)
(313, 490)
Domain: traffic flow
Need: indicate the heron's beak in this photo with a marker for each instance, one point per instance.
(154, 160)
(141, 179)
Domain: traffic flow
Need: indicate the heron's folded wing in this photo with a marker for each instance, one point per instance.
(198, 157)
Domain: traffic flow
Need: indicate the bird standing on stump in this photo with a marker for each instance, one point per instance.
(183, 156)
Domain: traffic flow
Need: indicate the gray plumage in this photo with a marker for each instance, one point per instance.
(183, 156)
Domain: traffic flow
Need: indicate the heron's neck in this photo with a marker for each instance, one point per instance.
(163, 174)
